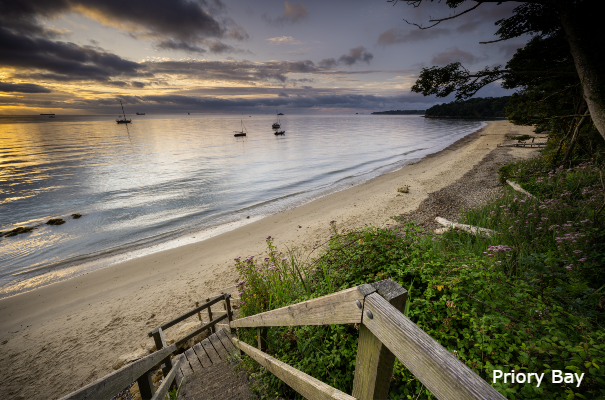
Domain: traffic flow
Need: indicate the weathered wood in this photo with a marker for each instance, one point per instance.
(168, 380)
(374, 363)
(440, 372)
(335, 308)
(186, 369)
(202, 356)
(213, 329)
(306, 385)
(189, 314)
(199, 314)
(519, 189)
(218, 346)
(194, 362)
(229, 312)
(212, 354)
(200, 330)
(261, 335)
(222, 335)
(465, 227)
(109, 385)
(145, 384)
(160, 343)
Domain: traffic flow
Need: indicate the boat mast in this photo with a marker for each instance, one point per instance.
(123, 109)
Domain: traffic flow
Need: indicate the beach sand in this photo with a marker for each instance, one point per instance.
(57, 338)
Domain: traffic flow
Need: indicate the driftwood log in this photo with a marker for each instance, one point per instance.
(468, 228)
(519, 189)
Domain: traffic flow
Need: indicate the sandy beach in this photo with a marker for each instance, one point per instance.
(58, 338)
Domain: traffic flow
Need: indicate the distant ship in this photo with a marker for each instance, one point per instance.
(123, 120)
(140, 113)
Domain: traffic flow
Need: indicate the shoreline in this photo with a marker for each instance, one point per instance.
(106, 313)
(43, 275)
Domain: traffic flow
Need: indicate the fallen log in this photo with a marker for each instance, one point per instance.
(464, 227)
(520, 189)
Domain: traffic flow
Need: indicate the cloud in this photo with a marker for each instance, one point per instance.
(396, 35)
(22, 88)
(173, 24)
(61, 58)
(454, 54)
(510, 48)
(284, 40)
(283, 94)
(293, 13)
(357, 55)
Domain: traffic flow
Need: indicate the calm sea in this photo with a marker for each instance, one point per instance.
(150, 185)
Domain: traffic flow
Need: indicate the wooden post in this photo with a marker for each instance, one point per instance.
(262, 339)
(146, 386)
(212, 329)
(229, 312)
(160, 343)
(199, 314)
(374, 366)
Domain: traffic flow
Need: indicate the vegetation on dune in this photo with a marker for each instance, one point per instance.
(531, 298)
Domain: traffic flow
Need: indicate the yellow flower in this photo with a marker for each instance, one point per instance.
(440, 287)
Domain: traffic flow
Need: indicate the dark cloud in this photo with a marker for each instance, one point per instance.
(137, 84)
(169, 44)
(454, 54)
(357, 55)
(61, 58)
(22, 88)
(283, 94)
(396, 35)
(293, 13)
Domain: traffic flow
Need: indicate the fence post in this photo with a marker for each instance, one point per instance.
(199, 314)
(160, 343)
(212, 329)
(228, 309)
(146, 386)
(262, 339)
(374, 366)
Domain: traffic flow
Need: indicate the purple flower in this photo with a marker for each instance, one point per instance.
(569, 267)
(333, 221)
(237, 259)
(582, 259)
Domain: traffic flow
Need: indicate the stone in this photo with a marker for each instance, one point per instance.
(403, 189)
(130, 357)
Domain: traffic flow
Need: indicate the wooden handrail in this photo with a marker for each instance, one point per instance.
(165, 386)
(190, 313)
(306, 385)
(108, 386)
(201, 329)
(440, 372)
(342, 307)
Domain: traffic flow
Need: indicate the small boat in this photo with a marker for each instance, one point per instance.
(276, 124)
(280, 132)
(243, 132)
(123, 120)
(280, 114)
(140, 113)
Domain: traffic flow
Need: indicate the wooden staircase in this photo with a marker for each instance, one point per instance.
(207, 371)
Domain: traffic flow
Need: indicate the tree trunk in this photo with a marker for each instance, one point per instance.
(589, 76)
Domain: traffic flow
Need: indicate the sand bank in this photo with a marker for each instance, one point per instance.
(58, 338)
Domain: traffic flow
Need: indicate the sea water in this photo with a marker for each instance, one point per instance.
(167, 180)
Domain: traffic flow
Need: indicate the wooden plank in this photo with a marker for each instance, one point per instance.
(212, 329)
(186, 369)
(200, 330)
(519, 189)
(214, 357)
(335, 308)
(218, 346)
(261, 334)
(146, 387)
(165, 386)
(194, 362)
(374, 362)
(222, 335)
(438, 369)
(306, 385)
(160, 343)
(202, 356)
(113, 383)
(188, 314)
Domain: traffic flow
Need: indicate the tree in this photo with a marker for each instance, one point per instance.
(566, 36)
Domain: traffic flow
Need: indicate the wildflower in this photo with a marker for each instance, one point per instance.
(333, 221)
(577, 251)
(582, 259)
(268, 238)
(237, 259)
(569, 267)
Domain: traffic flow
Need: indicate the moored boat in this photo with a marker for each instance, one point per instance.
(243, 132)
(123, 120)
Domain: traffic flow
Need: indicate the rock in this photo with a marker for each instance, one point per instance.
(403, 189)
(76, 216)
(55, 221)
(130, 357)
(19, 230)
(149, 346)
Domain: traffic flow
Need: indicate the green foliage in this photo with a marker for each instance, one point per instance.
(530, 299)
(489, 107)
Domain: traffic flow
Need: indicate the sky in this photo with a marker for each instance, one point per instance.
(235, 56)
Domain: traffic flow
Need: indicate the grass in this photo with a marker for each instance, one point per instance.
(531, 298)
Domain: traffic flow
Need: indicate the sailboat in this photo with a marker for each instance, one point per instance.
(123, 120)
(243, 132)
(276, 124)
